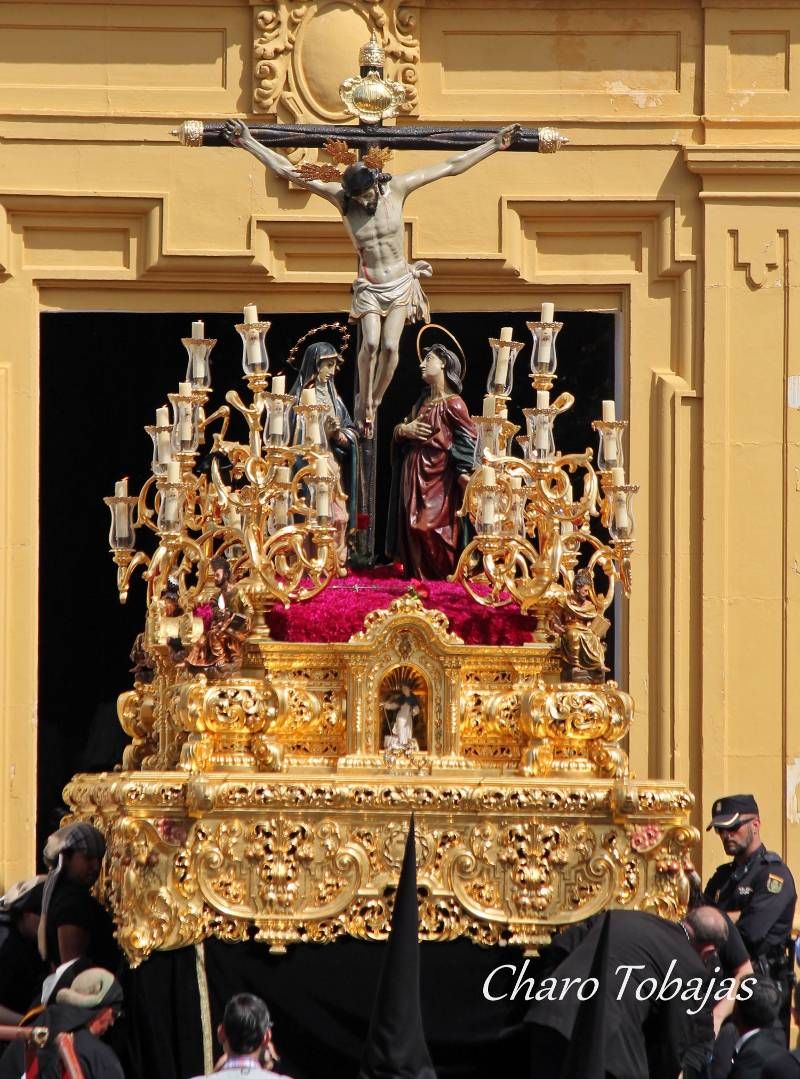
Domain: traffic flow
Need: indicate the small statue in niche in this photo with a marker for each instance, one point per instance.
(402, 704)
(402, 708)
(581, 625)
(226, 625)
(319, 365)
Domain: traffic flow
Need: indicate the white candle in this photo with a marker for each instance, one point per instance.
(610, 447)
(276, 419)
(252, 346)
(279, 384)
(250, 314)
(280, 508)
(163, 435)
(488, 515)
(542, 440)
(516, 481)
(323, 498)
(503, 354)
(488, 476)
(172, 495)
(185, 428)
(308, 397)
(609, 412)
(542, 398)
(621, 518)
(545, 344)
(198, 331)
(121, 510)
(548, 311)
(490, 406)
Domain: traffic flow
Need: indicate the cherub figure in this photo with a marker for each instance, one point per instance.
(387, 292)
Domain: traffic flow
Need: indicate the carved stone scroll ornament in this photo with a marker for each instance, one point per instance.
(301, 43)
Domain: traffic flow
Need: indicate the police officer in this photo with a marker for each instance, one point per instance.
(756, 889)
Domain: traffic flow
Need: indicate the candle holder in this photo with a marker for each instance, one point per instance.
(609, 451)
(171, 507)
(186, 422)
(321, 488)
(162, 447)
(255, 361)
(276, 420)
(544, 360)
(489, 434)
(501, 373)
(198, 369)
(122, 534)
(310, 429)
(540, 444)
(621, 522)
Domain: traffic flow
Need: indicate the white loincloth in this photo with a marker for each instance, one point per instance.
(405, 291)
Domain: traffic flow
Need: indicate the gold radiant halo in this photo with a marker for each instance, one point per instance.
(344, 334)
(437, 326)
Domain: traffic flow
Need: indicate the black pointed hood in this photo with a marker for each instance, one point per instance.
(396, 1047)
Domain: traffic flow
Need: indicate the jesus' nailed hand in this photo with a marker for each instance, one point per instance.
(387, 293)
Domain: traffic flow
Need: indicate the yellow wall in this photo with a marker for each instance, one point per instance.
(677, 206)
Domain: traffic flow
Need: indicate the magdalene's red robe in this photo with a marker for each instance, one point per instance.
(427, 529)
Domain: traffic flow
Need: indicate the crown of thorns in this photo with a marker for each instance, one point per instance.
(337, 149)
(344, 335)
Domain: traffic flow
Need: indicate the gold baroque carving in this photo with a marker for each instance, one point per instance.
(282, 86)
(192, 857)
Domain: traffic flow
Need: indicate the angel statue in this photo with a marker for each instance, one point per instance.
(582, 625)
(387, 293)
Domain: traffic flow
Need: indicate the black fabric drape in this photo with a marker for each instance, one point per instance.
(321, 998)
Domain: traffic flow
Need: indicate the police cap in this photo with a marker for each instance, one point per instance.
(731, 811)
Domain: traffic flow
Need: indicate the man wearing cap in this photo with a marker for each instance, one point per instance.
(82, 1013)
(756, 889)
(21, 969)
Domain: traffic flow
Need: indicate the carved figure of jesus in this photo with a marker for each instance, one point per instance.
(387, 293)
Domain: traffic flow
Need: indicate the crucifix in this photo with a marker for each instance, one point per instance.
(386, 293)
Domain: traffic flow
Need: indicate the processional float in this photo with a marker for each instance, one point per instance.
(260, 794)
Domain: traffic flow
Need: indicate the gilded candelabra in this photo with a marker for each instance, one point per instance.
(265, 508)
(533, 531)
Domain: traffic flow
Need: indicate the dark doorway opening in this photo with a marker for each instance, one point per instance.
(102, 378)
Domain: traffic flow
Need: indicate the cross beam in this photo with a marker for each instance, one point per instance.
(541, 140)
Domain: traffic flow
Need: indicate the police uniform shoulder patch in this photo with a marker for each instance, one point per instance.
(774, 883)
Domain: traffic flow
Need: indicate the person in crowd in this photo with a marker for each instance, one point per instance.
(73, 924)
(645, 1032)
(246, 1038)
(756, 889)
(754, 1014)
(433, 455)
(21, 968)
(76, 1023)
(786, 1065)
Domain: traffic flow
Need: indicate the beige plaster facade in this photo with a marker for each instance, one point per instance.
(676, 206)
